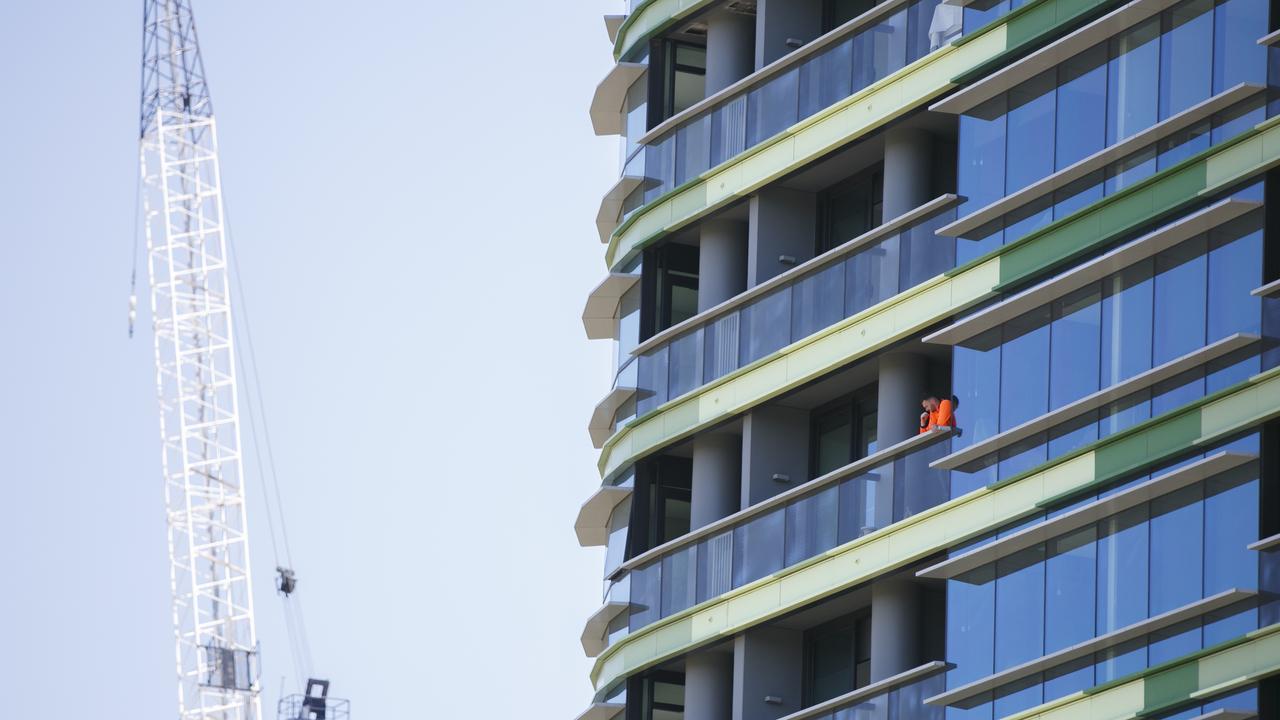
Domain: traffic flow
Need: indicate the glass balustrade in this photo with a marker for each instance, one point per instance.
(812, 523)
(816, 299)
(901, 703)
(889, 40)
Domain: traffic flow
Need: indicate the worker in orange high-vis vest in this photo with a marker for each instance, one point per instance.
(937, 413)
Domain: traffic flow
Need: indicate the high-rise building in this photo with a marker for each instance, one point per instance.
(1060, 220)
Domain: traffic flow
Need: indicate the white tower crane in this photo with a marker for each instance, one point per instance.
(216, 644)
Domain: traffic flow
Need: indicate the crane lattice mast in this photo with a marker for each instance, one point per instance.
(216, 643)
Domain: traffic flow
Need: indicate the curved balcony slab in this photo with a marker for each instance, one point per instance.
(600, 315)
(592, 525)
(593, 635)
(649, 19)
(910, 312)
(606, 104)
(612, 24)
(1204, 422)
(602, 711)
(601, 424)
(611, 205)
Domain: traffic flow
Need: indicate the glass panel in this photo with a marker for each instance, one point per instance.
(1185, 77)
(685, 364)
(871, 276)
(693, 149)
(728, 130)
(757, 548)
(772, 107)
(811, 526)
(817, 302)
(715, 566)
(645, 595)
(765, 326)
(721, 351)
(1132, 81)
(1081, 107)
(678, 580)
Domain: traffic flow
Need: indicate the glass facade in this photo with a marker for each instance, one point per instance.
(1119, 572)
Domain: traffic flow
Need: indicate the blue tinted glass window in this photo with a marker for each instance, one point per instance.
(645, 594)
(1031, 121)
(1177, 549)
(1237, 58)
(1081, 107)
(1230, 524)
(1133, 81)
(1075, 346)
(1122, 570)
(1185, 76)
(1133, 169)
(924, 255)
(1180, 300)
(980, 168)
(1126, 323)
(1182, 145)
(971, 626)
(1070, 573)
(1235, 267)
(1024, 382)
(1019, 608)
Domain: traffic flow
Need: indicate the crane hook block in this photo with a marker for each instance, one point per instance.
(286, 581)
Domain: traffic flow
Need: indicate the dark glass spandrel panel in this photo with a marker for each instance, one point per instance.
(1126, 323)
(693, 149)
(1075, 346)
(728, 130)
(765, 326)
(981, 151)
(1237, 58)
(720, 352)
(758, 548)
(1133, 82)
(817, 302)
(1020, 600)
(1185, 76)
(1180, 300)
(1081, 107)
(685, 363)
(871, 276)
(715, 566)
(773, 107)
(646, 590)
(678, 580)
(1024, 391)
(651, 387)
(1031, 122)
(1122, 571)
(811, 525)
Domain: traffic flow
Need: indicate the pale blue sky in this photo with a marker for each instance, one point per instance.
(412, 188)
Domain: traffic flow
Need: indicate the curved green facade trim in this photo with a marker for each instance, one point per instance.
(1186, 681)
(909, 312)
(649, 19)
(1203, 422)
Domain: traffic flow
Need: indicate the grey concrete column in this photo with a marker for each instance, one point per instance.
(895, 622)
(783, 232)
(708, 686)
(731, 49)
(775, 442)
(908, 170)
(778, 21)
(717, 472)
(722, 261)
(902, 385)
(768, 667)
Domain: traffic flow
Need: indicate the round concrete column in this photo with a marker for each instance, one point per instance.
(708, 686)
(722, 261)
(895, 618)
(902, 385)
(908, 159)
(731, 49)
(717, 469)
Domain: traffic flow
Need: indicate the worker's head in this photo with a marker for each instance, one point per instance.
(929, 404)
